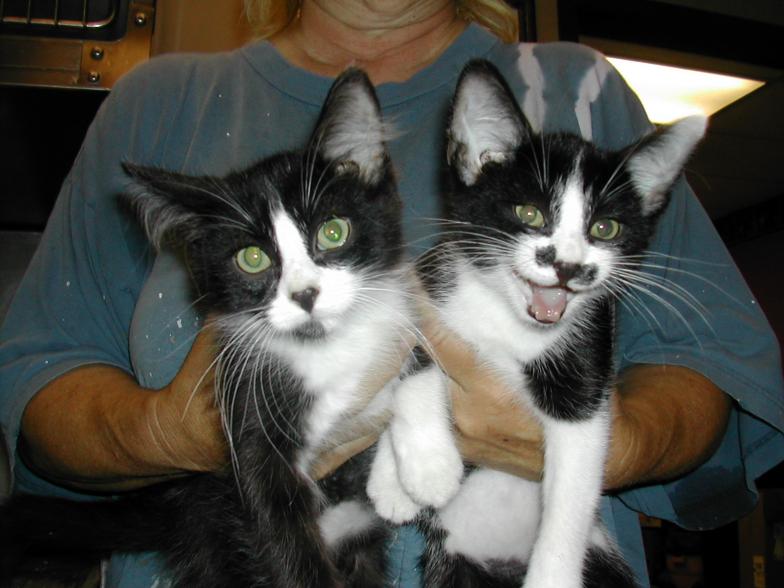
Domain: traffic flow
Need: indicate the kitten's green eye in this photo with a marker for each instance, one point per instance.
(605, 229)
(252, 260)
(333, 234)
(530, 215)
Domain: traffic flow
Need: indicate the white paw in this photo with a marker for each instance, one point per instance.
(383, 488)
(430, 471)
(429, 465)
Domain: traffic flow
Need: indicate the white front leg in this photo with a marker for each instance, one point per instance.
(428, 461)
(571, 489)
(389, 498)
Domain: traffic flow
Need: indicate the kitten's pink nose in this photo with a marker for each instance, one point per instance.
(306, 298)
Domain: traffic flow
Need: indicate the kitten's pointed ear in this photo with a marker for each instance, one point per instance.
(485, 123)
(161, 200)
(658, 160)
(350, 131)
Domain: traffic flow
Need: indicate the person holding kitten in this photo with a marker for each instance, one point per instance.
(99, 321)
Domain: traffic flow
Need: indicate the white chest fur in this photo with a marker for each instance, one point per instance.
(478, 310)
(334, 370)
(481, 310)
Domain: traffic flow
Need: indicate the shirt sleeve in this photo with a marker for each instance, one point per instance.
(75, 302)
(695, 310)
(699, 313)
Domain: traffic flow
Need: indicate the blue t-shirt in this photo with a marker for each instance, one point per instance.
(96, 293)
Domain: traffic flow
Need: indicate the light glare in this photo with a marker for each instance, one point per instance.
(669, 93)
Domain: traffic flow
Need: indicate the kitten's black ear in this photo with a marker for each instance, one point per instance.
(166, 202)
(658, 160)
(485, 123)
(350, 131)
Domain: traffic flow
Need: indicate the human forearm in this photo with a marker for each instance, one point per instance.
(94, 428)
(89, 429)
(667, 420)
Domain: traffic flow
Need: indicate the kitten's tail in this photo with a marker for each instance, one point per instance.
(57, 527)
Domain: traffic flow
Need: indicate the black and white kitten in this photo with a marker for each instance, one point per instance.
(299, 259)
(540, 232)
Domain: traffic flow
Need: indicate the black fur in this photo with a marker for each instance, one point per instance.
(256, 524)
(570, 382)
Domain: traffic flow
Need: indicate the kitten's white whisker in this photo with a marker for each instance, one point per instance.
(691, 274)
(222, 197)
(227, 392)
(648, 253)
(321, 190)
(536, 166)
(629, 298)
(455, 226)
(620, 166)
(313, 151)
(665, 284)
(668, 305)
(671, 288)
(277, 415)
(618, 189)
(251, 344)
(405, 323)
(228, 223)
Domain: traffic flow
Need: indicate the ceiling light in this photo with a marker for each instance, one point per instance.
(669, 93)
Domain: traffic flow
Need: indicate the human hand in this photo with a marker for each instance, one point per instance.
(328, 461)
(183, 418)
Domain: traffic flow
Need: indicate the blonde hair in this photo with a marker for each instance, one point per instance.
(268, 17)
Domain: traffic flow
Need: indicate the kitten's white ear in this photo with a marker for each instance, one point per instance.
(485, 124)
(350, 131)
(657, 162)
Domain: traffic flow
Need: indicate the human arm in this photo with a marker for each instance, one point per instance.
(128, 436)
(666, 420)
(87, 299)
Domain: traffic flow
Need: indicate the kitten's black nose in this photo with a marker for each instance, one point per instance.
(565, 271)
(306, 298)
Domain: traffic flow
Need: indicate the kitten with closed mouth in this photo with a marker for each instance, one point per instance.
(298, 260)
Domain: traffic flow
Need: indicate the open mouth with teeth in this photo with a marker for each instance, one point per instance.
(547, 303)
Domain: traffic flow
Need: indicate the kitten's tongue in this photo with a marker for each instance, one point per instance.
(547, 303)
